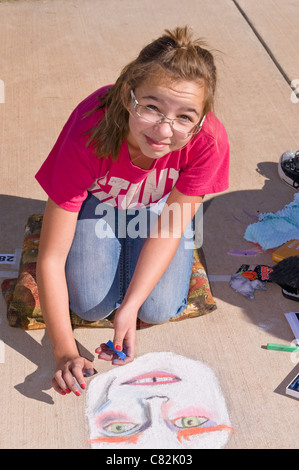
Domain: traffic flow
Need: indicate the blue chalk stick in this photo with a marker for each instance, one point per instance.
(120, 354)
(89, 373)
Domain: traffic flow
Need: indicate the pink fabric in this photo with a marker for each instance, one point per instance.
(72, 169)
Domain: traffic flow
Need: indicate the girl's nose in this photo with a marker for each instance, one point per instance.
(165, 128)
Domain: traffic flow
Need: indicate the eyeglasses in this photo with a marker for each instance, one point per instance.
(150, 114)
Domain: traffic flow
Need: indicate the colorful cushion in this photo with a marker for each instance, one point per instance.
(21, 294)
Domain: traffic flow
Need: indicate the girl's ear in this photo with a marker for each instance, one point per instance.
(126, 94)
(127, 88)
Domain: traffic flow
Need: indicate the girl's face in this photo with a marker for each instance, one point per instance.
(175, 99)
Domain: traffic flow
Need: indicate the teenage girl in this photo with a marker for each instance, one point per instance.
(124, 180)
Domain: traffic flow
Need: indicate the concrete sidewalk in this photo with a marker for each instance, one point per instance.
(56, 52)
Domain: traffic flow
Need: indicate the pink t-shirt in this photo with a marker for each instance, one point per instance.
(72, 169)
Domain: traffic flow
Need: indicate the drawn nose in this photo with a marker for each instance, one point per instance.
(154, 405)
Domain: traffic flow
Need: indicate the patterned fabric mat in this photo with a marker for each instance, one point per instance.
(21, 294)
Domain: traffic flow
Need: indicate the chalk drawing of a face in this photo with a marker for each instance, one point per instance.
(159, 401)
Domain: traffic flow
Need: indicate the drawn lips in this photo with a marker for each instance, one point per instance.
(153, 378)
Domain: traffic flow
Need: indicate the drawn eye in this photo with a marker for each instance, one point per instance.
(189, 421)
(119, 428)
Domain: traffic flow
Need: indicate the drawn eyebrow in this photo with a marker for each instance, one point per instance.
(182, 434)
(186, 433)
(131, 439)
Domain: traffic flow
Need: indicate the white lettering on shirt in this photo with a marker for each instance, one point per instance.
(120, 193)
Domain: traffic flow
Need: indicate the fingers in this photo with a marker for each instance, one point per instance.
(106, 353)
(65, 382)
(118, 342)
(129, 350)
(63, 389)
(125, 344)
(70, 377)
(122, 362)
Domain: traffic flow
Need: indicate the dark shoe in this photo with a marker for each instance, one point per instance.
(288, 168)
(291, 294)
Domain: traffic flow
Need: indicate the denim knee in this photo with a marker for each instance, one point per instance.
(98, 312)
(155, 312)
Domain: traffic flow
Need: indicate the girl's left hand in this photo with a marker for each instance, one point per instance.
(124, 337)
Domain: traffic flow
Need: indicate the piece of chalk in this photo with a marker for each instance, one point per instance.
(89, 373)
(282, 347)
(120, 354)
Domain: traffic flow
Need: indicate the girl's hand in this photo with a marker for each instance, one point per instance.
(124, 337)
(69, 375)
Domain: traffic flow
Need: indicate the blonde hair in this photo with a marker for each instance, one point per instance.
(175, 54)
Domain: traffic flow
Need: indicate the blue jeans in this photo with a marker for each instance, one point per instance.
(102, 260)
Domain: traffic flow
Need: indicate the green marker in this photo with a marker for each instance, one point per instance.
(282, 347)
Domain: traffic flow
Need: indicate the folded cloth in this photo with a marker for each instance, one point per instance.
(245, 286)
(21, 294)
(275, 229)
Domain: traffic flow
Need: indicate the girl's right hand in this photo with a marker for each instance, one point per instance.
(124, 337)
(69, 375)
